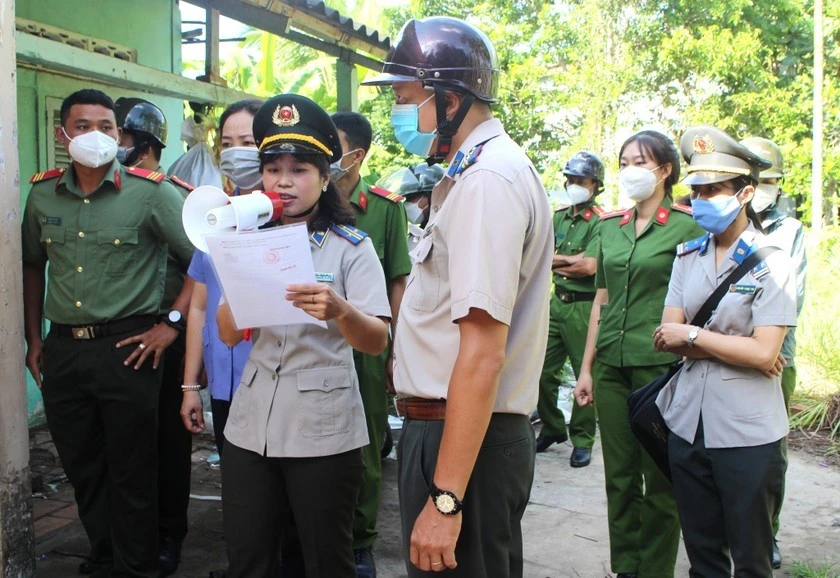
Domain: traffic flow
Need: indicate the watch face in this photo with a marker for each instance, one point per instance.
(445, 503)
(174, 316)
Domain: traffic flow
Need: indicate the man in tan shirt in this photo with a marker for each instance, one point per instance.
(474, 318)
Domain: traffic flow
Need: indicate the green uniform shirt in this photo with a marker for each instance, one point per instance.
(636, 273)
(385, 223)
(575, 234)
(107, 250)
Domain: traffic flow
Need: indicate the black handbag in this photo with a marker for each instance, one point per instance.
(645, 418)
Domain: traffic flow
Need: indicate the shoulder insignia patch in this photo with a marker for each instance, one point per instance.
(662, 215)
(46, 175)
(692, 245)
(597, 210)
(682, 208)
(393, 197)
(760, 270)
(153, 176)
(181, 183)
(611, 214)
(352, 234)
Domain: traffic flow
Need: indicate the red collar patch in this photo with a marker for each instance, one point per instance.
(363, 200)
(626, 218)
(662, 215)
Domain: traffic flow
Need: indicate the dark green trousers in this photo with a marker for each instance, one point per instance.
(566, 339)
(371, 372)
(726, 498)
(490, 544)
(103, 417)
(788, 386)
(641, 511)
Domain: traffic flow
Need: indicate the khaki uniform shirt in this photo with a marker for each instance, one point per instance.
(575, 234)
(635, 271)
(107, 250)
(488, 245)
(385, 223)
(299, 394)
(741, 407)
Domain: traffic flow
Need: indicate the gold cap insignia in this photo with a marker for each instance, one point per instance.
(286, 115)
(703, 145)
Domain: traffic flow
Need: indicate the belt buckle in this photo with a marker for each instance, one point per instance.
(85, 332)
(566, 297)
(397, 401)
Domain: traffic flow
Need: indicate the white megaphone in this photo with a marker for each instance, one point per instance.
(209, 211)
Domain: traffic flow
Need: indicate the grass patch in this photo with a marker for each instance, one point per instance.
(806, 570)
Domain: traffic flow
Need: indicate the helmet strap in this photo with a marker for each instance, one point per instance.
(447, 129)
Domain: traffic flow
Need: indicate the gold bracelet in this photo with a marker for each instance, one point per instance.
(190, 387)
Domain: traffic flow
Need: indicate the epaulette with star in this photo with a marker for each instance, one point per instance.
(46, 175)
(692, 245)
(611, 214)
(181, 183)
(348, 233)
(153, 176)
(393, 197)
(682, 208)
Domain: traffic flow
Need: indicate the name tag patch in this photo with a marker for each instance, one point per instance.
(744, 289)
(324, 277)
(50, 220)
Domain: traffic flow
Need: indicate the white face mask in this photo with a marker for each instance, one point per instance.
(242, 166)
(577, 194)
(92, 149)
(765, 195)
(638, 183)
(414, 213)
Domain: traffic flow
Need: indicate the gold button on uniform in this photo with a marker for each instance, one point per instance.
(78, 304)
(78, 269)
(116, 241)
(81, 233)
(49, 241)
(86, 201)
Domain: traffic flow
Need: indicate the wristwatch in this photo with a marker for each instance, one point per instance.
(445, 502)
(175, 320)
(692, 335)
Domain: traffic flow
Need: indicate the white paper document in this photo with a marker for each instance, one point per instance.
(254, 269)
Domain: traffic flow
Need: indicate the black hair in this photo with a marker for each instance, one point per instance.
(738, 183)
(356, 128)
(144, 141)
(332, 207)
(661, 149)
(251, 105)
(85, 96)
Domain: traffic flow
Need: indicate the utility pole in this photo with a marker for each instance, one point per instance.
(817, 143)
(17, 557)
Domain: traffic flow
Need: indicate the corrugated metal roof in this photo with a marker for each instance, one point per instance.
(322, 11)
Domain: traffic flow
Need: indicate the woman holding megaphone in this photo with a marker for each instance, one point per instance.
(296, 421)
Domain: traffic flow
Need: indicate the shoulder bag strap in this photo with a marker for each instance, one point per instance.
(753, 259)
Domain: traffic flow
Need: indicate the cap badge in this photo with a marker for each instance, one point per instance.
(286, 115)
(703, 145)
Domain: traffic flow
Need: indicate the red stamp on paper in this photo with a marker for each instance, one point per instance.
(271, 257)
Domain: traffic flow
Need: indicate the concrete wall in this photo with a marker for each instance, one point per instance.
(152, 27)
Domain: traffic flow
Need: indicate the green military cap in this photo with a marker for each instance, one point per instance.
(713, 157)
(769, 150)
(290, 123)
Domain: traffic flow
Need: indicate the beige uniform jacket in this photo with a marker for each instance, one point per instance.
(299, 394)
(741, 407)
(488, 245)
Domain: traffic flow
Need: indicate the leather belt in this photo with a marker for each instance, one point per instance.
(574, 296)
(421, 408)
(104, 329)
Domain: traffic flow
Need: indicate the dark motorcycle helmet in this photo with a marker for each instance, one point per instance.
(585, 164)
(409, 181)
(443, 51)
(141, 116)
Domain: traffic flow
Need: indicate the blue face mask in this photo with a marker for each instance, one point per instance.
(715, 215)
(405, 119)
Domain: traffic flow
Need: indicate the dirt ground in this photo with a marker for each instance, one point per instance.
(564, 527)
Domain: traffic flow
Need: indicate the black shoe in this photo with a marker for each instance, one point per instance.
(580, 457)
(545, 442)
(89, 566)
(170, 556)
(626, 575)
(776, 556)
(365, 565)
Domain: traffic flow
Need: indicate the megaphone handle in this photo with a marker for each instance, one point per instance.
(246, 334)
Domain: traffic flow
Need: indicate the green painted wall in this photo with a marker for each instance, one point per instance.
(151, 26)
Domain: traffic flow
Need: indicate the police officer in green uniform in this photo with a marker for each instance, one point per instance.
(786, 233)
(575, 249)
(104, 230)
(637, 250)
(142, 141)
(381, 215)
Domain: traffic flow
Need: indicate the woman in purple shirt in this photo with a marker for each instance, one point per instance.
(223, 364)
